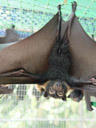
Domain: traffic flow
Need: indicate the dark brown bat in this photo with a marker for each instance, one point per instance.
(83, 63)
(5, 90)
(80, 70)
(32, 53)
(10, 36)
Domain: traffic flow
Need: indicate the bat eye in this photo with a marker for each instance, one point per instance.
(60, 93)
(51, 90)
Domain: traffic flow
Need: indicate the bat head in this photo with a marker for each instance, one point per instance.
(56, 89)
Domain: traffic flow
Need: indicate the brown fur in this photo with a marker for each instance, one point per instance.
(39, 87)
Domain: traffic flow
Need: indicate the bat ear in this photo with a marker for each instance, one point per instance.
(42, 90)
(68, 96)
(45, 94)
(64, 98)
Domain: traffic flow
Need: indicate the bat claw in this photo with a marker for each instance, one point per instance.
(74, 5)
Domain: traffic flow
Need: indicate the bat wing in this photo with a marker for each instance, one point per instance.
(18, 77)
(83, 50)
(85, 87)
(30, 54)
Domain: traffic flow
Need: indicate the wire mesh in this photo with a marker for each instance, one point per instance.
(27, 108)
(29, 16)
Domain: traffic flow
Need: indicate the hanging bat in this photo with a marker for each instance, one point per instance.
(26, 54)
(15, 60)
(55, 70)
(5, 90)
(83, 63)
(10, 36)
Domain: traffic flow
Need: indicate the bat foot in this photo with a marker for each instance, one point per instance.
(74, 5)
(93, 80)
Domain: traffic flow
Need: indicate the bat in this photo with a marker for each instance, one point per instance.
(82, 62)
(10, 36)
(5, 90)
(27, 54)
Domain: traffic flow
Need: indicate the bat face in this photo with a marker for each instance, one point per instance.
(57, 89)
